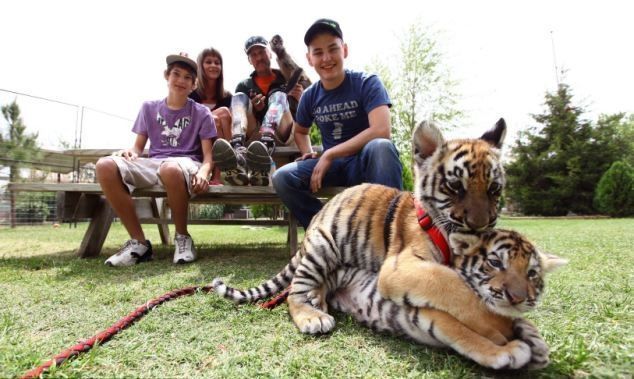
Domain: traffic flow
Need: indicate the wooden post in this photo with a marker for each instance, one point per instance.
(12, 211)
(163, 229)
(97, 230)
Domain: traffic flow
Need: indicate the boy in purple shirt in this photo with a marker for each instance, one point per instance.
(180, 132)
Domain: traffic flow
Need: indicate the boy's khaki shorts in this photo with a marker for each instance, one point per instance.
(144, 172)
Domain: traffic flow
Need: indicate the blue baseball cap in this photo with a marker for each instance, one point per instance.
(255, 41)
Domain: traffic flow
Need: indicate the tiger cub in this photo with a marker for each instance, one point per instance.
(375, 228)
(490, 264)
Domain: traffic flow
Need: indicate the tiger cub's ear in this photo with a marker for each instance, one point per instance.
(425, 140)
(464, 243)
(551, 262)
(495, 136)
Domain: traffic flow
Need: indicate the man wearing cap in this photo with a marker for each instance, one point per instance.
(262, 118)
(351, 109)
(180, 132)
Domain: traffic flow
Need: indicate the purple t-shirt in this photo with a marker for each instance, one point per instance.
(175, 133)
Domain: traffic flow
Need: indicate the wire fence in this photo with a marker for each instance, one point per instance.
(30, 208)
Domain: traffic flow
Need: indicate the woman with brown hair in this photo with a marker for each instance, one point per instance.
(212, 93)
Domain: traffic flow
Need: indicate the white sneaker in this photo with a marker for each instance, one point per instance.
(131, 253)
(185, 251)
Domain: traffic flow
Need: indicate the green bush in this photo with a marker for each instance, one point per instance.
(211, 211)
(263, 211)
(34, 207)
(614, 195)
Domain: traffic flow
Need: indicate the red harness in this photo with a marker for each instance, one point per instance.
(427, 224)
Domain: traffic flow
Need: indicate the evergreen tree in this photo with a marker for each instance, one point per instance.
(555, 167)
(16, 147)
(614, 135)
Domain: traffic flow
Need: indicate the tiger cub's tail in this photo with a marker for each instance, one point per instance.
(267, 289)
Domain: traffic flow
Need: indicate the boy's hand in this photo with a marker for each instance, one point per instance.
(311, 155)
(127, 154)
(199, 183)
(319, 171)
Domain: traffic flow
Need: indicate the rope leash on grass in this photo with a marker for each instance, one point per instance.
(128, 320)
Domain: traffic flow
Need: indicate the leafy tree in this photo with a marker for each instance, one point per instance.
(423, 88)
(16, 147)
(420, 88)
(555, 167)
(615, 191)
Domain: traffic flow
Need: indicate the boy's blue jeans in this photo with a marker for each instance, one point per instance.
(378, 162)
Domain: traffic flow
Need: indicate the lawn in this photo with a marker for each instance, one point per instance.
(51, 300)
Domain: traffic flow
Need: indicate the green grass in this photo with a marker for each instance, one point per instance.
(50, 300)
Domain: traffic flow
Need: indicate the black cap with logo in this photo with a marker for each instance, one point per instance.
(322, 25)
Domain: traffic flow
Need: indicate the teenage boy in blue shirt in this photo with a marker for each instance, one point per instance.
(351, 110)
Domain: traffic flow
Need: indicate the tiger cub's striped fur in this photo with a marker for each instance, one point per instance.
(484, 263)
(373, 227)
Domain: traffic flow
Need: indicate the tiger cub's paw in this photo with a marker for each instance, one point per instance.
(513, 355)
(317, 298)
(525, 331)
(316, 323)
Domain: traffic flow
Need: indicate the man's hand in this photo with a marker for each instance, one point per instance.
(127, 154)
(258, 102)
(296, 92)
(319, 171)
(199, 183)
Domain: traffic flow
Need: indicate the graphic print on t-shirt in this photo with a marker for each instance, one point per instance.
(169, 136)
(333, 113)
(337, 131)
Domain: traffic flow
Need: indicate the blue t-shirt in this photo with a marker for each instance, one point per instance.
(342, 113)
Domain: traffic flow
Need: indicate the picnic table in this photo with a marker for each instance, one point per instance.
(86, 201)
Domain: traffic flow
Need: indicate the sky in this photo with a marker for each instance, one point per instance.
(99, 60)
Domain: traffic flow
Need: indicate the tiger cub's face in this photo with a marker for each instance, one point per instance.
(459, 182)
(503, 268)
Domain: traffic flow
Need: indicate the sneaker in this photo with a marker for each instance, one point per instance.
(259, 164)
(132, 252)
(185, 251)
(231, 162)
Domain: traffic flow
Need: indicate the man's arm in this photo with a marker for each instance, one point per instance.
(380, 127)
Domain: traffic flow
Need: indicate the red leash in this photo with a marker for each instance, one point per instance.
(128, 320)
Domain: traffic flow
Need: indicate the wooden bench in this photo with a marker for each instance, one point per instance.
(85, 200)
